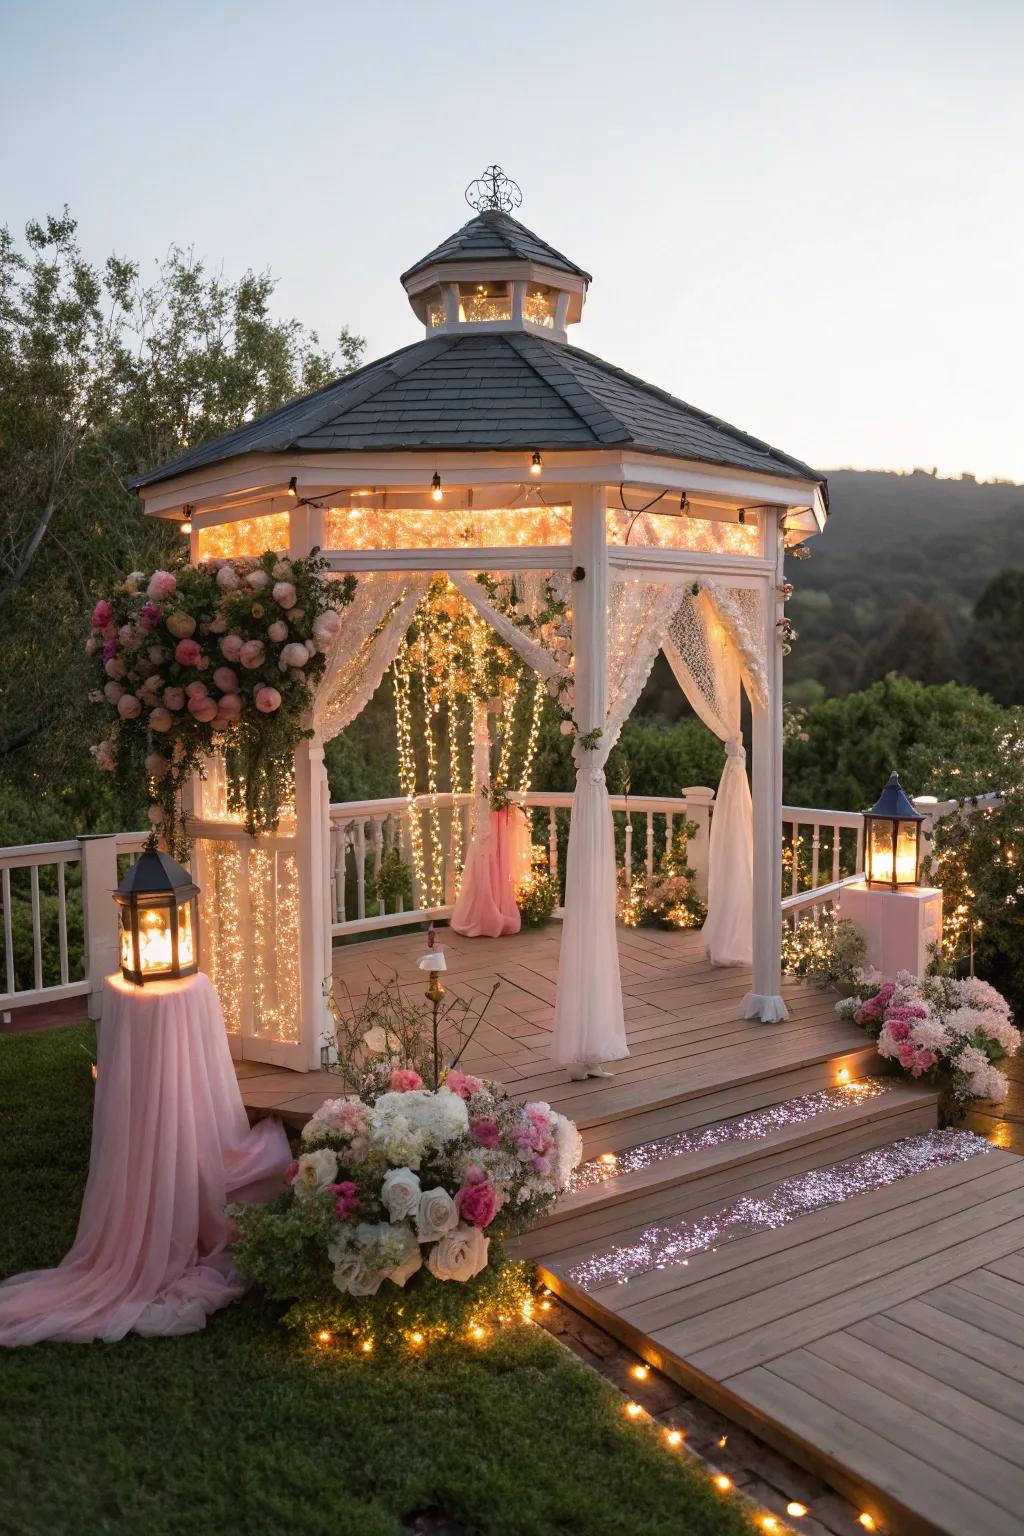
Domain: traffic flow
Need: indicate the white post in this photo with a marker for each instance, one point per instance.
(764, 1001)
(102, 940)
(699, 800)
(589, 1027)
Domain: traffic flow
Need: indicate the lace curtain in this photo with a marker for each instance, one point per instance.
(713, 643)
(373, 627)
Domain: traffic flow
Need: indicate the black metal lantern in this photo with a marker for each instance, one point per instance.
(892, 839)
(159, 919)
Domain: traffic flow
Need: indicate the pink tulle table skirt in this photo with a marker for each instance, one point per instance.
(171, 1145)
(497, 862)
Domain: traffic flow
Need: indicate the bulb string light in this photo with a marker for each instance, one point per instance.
(530, 752)
(407, 764)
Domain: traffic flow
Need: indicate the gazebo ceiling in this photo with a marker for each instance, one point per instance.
(499, 390)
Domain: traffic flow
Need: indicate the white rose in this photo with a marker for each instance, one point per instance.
(436, 1215)
(400, 1193)
(459, 1255)
(354, 1275)
(316, 1169)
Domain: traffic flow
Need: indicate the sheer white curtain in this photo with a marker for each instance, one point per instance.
(589, 1024)
(712, 645)
(373, 627)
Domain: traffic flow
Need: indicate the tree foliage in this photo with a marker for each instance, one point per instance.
(106, 372)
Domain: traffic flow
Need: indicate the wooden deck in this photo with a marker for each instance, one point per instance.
(879, 1341)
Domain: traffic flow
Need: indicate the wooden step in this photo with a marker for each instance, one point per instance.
(587, 1220)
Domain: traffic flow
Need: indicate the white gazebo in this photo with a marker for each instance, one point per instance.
(494, 445)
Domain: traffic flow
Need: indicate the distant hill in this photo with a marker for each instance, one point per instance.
(893, 579)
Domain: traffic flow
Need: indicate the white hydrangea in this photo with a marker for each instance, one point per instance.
(441, 1116)
(972, 1060)
(987, 1083)
(932, 1034)
(972, 992)
(568, 1147)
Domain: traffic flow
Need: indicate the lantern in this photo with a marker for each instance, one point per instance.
(159, 919)
(892, 838)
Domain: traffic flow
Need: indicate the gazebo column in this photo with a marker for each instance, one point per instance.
(764, 1001)
(589, 1027)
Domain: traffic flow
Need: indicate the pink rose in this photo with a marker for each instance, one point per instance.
(161, 585)
(404, 1080)
(196, 690)
(485, 1133)
(102, 615)
(251, 654)
(284, 594)
(288, 1177)
(477, 1204)
(92, 645)
(202, 709)
(266, 700)
(925, 1061)
(226, 680)
(294, 655)
(277, 631)
(231, 647)
(157, 654)
(187, 653)
(112, 691)
(462, 1083)
(174, 698)
(231, 706)
(160, 719)
(326, 624)
(129, 707)
(347, 1198)
(114, 667)
(906, 1055)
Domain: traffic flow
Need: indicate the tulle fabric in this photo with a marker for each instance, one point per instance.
(486, 905)
(171, 1145)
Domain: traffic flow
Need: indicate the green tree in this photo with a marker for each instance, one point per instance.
(995, 644)
(916, 644)
(103, 374)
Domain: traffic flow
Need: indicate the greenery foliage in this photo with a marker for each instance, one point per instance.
(392, 883)
(536, 898)
(828, 953)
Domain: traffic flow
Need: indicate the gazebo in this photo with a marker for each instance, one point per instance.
(494, 445)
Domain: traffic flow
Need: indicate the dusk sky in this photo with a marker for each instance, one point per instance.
(804, 217)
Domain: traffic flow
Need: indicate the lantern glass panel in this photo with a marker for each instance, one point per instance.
(906, 853)
(156, 922)
(880, 852)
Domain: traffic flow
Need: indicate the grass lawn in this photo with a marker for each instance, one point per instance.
(238, 1431)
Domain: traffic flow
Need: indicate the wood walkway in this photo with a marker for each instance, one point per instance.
(879, 1341)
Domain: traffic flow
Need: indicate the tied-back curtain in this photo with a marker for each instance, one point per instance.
(713, 644)
(373, 627)
(532, 651)
(589, 1023)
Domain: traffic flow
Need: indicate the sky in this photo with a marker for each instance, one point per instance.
(804, 217)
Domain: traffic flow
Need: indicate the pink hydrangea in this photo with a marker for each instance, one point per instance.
(898, 1029)
(404, 1080)
(347, 1198)
(463, 1083)
(149, 616)
(161, 585)
(485, 1133)
(187, 653)
(102, 615)
(477, 1204)
(266, 700)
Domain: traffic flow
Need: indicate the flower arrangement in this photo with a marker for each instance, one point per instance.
(222, 656)
(536, 897)
(395, 1206)
(668, 898)
(947, 1031)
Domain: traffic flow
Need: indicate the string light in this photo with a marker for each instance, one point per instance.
(436, 492)
(415, 1339)
(796, 1509)
(324, 1336)
(641, 1372)
(633, 1410)
(608, 1158)
(536, 715)
(367, 1346)
(674, 1437)
(721, 1482)
(723, 1441)
(769, 1523)
(293, 486)
(407, 764)
(477, 1333)
(273, 881)
(536, 463)
(866, 1521)
(434, 894)
(247, 536)
(843, 1075)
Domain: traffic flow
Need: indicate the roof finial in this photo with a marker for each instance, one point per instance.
(494, 190)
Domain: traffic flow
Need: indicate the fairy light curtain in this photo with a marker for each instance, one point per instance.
(714, 643)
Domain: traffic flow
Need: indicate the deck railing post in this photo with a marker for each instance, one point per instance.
(99, 913)
(699, 800)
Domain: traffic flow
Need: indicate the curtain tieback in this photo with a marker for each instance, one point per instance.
(590, 775)
(735, 749)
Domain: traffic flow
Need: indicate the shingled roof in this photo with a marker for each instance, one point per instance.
(495, 236)
(490, 392)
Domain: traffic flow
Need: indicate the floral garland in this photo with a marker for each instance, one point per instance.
(949, 1032)
(219, 657)
(400, 1190)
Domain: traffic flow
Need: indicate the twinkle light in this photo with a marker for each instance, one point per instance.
(866, 1520)
(247, 536)
(843, 1075)
(770, 1523)
(633, 1410)
(477, 1333)
(436, 493)
(416, 1339)
(640, 1372)
(796, 1509)
(367, 1346)
(545, 1306)
(721, 1482)
(324, 1336)
(608, 1158)
(674, 1437)
(723, 1441)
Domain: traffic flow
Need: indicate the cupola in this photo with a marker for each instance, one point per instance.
(494, 274)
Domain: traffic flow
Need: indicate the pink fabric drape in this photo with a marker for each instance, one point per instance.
(496, 862)
(171, 1145)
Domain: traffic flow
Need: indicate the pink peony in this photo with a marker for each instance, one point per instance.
(257, 580)
(187, 653)
(231, 705)
(92, 645)
(161, 585)
(196, 690)
(160, 719)
(277, 631)
(128, 637)
(112, 691)
(202, 709)
(115, 667)
(174, 698)
(906, 1055)
(102, 615)
(294, 655)
(266, 700)
(284, 593)
(404, 1080)
(181, 624)
(226, 680)
(129, 707)
(231, 647)
(218, 624)
(462, 1083)
(251, 654)
(347, 1198)
(292, 1169)
(149, 615)
(157, 766)
(485, 1133)
(477, 1204)
(898, 1029)
(227, 579)
(925, 1061)
(157, 654)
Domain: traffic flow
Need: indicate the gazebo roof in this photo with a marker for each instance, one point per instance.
(495, 236)
(494, 391)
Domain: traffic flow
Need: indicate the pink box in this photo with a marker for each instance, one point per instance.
(899, 926)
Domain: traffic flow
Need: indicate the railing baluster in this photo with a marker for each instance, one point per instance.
(627, 850)
(815, 851)
(62, 924)
(378, 858)
(37, 936)
(794, 878)
(10, 976)
(553, 845)
(650, 845)
(359, 849)
(859, 863)
(836, 850)
(668, 834)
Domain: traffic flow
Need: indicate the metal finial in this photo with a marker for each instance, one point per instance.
(494, 190)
